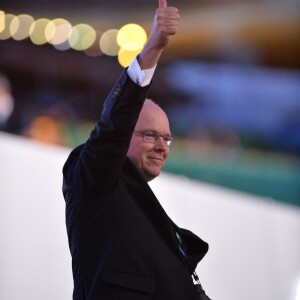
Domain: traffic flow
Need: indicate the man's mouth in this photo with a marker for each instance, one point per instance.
(157, 160)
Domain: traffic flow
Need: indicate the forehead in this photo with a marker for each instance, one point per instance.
(153, 118)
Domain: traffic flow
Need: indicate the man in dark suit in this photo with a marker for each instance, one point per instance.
(123, 244)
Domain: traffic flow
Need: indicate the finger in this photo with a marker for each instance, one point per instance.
(163, 3)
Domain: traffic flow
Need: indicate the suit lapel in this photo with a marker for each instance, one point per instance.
(148, 203)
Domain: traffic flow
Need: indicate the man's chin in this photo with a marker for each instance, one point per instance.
(150, 175)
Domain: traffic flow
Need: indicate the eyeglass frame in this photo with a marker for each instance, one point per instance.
(168, 139)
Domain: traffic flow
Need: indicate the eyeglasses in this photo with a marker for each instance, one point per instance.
(152, 137)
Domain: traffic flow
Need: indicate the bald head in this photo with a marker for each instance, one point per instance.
(153, 118)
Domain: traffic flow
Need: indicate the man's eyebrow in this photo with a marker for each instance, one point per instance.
(154, 131)
(149, 130)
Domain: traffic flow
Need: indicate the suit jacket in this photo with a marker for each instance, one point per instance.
(122, 242)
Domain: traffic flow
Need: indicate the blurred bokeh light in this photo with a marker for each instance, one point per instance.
(2, 21)
(57, 31)
(131, 37)
(108, 42)
(82, 36)
(37, 31)
(126, 57)
(5, 33)
(19, 27)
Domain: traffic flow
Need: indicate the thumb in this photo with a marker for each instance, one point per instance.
(163, 3)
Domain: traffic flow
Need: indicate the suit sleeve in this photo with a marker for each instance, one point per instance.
(99, 161)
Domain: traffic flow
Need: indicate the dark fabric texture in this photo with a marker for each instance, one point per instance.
(122, 242)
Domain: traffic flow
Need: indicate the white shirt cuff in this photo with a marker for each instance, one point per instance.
(139, 76)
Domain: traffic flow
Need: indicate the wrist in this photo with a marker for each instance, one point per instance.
(149, 56)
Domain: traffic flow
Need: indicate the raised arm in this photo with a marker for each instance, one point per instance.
(100, 159)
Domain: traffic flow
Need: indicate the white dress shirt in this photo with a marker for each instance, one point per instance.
(139, 76)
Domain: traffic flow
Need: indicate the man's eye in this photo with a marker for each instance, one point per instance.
(150, 134)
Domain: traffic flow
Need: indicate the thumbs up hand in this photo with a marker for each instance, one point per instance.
(166, 21)
(165, 24)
